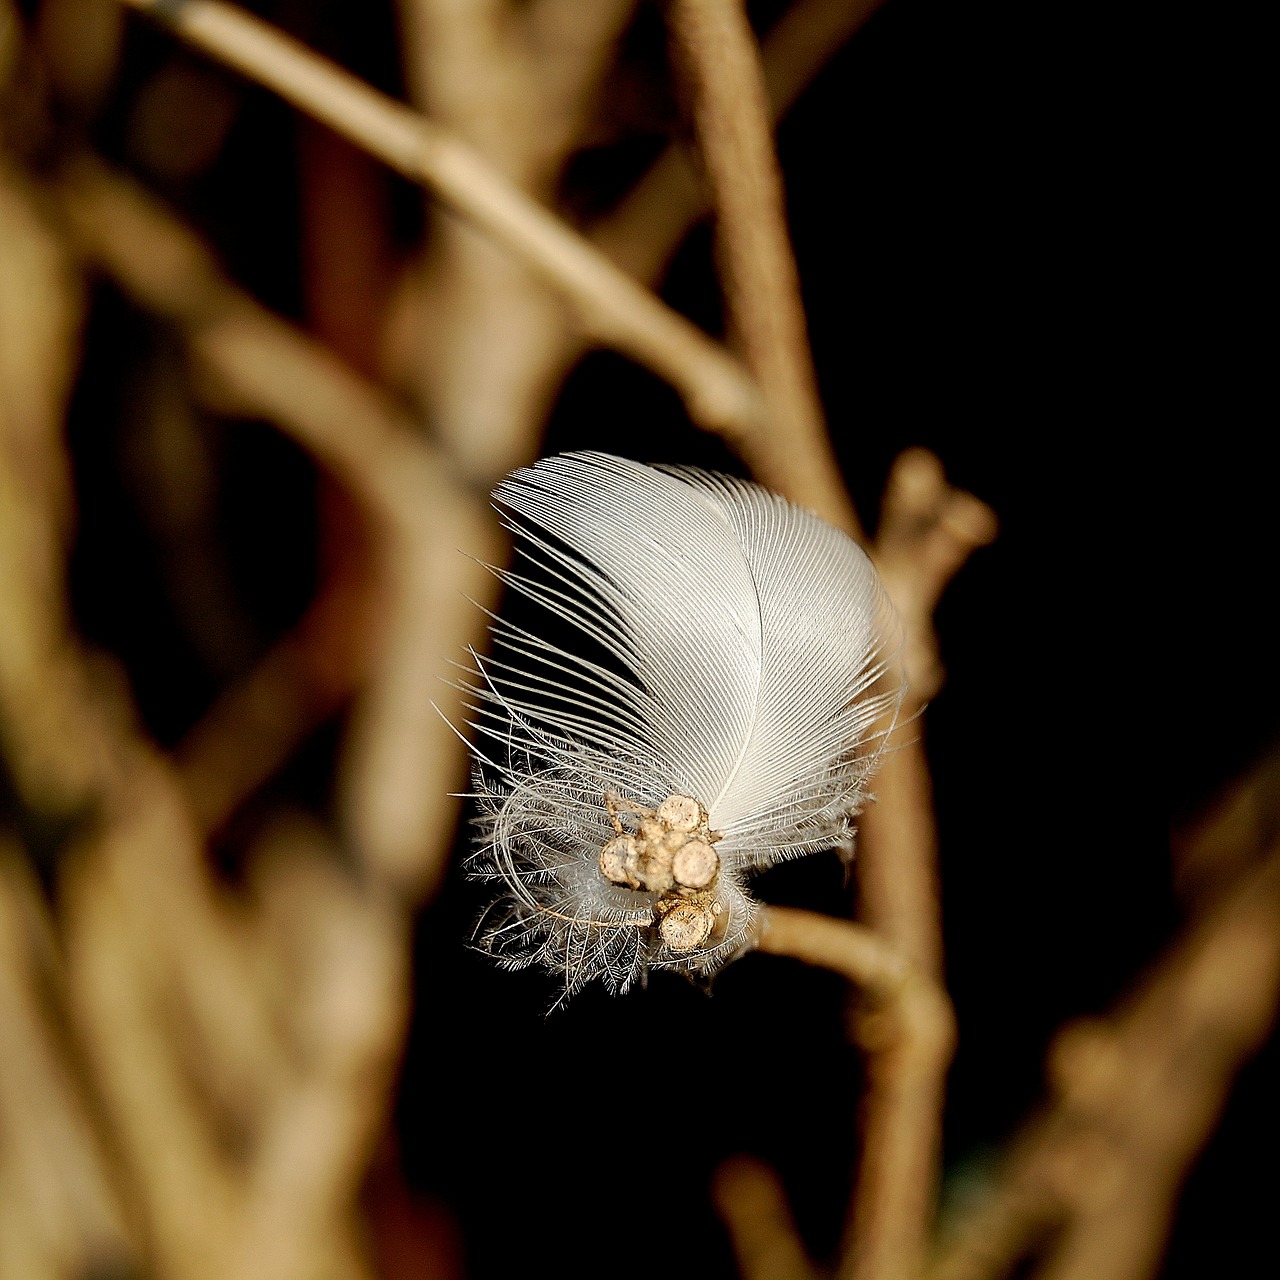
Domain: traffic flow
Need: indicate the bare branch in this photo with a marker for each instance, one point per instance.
(614, 308)
(259, 365)
(722, 63)
(644, 230)
(61, 1180)
(928, 529)
(908, 1030)
(1097, 1175)
(753, 1206)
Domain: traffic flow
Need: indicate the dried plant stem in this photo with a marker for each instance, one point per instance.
(892, 1210)
(643, 231)
(61, 1182)
(906, 1024)
(927, 530)
(855, 952)
(256, 364)
(1138, 1094)
(614, 309)
(722, 63)
(1212, 852)
(753, 1206)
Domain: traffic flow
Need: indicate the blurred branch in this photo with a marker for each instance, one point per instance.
(207, 1095)
(259, 721)
(753, 1206)
(477, 339)
(1097, 1175)
(722, 63)
(642, 233)
(928, 530)
(905, 1023)
(258, 365)
(1212, 851)
(60, 1181)
(614, 308)
(341, 960)
(519, 84)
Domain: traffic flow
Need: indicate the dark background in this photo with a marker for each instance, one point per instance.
(992, 270)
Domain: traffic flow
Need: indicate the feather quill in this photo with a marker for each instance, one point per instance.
(705, 691)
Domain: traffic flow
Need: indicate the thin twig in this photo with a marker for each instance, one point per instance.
(753, 1206)
(518, 83)
(855, 952)
(1096, 1176)
(261, 366)
(642, 233)
(906, 1024)
(489, 382)
(63, 1179)
(762, 286)
(613, 307)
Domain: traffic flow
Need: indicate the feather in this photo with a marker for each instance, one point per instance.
(704, 691)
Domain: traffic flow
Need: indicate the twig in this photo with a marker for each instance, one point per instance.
(490, 381)
(256, 724)
(61, 1180)
(928, 529)
(642, 233)
(613, 307)
(753, 1206)
(722, 62)
(907, 1027)
(259, 365)
(1098, 1174)
(518, 83)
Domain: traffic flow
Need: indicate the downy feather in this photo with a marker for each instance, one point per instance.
(713, 642)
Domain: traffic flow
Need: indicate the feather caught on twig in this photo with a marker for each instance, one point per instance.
(705, 690)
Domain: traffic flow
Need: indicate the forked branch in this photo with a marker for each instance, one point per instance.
(614, 309)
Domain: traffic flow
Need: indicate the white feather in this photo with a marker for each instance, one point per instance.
(717, 643)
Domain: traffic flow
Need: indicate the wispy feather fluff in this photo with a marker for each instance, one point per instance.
(704, 691)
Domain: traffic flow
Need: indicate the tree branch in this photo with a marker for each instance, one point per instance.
(614, 309)
(722, 63)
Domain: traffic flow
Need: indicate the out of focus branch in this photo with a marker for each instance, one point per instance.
(256, 364)
(753, 1206)
(483, 334)
(474, 336)
(1096, 1178)
(614, 308)
(906, 1025)
(722, 62)
(644, 230)
(1213, 851)
(61, 1183)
